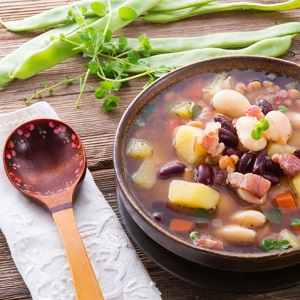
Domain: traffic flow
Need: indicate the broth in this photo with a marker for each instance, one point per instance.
(156, 125)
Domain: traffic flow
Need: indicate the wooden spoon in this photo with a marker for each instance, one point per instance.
(45, 160)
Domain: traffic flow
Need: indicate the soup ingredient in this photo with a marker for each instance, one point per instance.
(205, 174)
(271, 245)
(264, 105)
(230, 103)
(145, 176)
(275, 148)
(171, 169)
(294, 118)
(137, 148)
(183, 110)
(290, 164)
(259, 127)
(250, 187)
(235, 234)
(245, 163)
(293, 240)
(285, 200)
(209, 243)
(181, 225)
(295, 224)
(193, 195)
(186, 145)
(244, 126)
(280, 128)
(296, 184)
(227, 137)
(250, 218)
(273, 214)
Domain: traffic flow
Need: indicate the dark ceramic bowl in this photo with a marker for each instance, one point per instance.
(206, 257)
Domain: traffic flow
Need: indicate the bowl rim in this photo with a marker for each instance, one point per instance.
(153, 90)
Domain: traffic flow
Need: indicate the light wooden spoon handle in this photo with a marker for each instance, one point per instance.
(85, 281)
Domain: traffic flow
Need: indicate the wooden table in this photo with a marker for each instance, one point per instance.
(97, 128)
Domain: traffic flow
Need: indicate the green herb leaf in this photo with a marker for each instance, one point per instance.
(264, 124)
(201, 215)
(274, 215)
(256, 133)
(123, 42)
(100, 93)
(282, 109)
(271, 245)
(196, 110)
(99, 9)
(133, 56)
(294, 222)
(110, 103)
(194, 235)
(93, 66)
(127, 14)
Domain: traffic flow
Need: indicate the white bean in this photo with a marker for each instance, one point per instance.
(235, 234)
(230, 103)
(250, 218)
(294, 119)
(280, 128)
(244, 126)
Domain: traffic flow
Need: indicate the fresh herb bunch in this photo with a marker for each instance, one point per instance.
(109, 57)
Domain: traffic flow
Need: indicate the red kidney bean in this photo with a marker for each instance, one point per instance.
(245, 163)
(224, 123)
(205, 174)
(220, 176)
(259, 162)
(233, 151)
(170, 169)
(297, 153)
(274, 179)
(228, 138)
(273, 168)
(265, 105)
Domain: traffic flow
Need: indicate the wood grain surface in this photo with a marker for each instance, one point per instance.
(97, 128)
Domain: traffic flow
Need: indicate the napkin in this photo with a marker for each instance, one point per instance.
(36, 246)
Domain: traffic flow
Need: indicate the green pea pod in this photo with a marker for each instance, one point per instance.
(169, 16)
(59, 50)
(218, 40)
(54, 16)
(273, 47)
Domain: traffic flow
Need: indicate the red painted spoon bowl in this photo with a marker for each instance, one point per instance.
(45, 160)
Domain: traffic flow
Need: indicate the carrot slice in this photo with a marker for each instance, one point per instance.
(181, 225)
(285, 200)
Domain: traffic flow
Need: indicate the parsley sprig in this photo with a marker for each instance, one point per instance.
(108, 57)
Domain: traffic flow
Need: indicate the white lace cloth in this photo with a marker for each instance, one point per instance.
(36, 246)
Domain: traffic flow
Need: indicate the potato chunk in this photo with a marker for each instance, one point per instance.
(186, 145)
(296, 184)
(138, 149)
(183, 110)
(193, 195)
(145, 176)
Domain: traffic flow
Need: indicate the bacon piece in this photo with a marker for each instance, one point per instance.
(254, 111)
(290, 164)
(251, 187)
(210, 243)
(209, 140)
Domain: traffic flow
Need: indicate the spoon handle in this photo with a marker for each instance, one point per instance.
(85, 281)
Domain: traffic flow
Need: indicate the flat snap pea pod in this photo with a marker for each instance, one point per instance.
(54, 16)
(219, 40)
(168, 5)
(59, 50)
(168, 16)
(59, 15)
(10, 62)
(273, 47)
